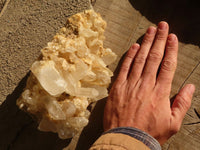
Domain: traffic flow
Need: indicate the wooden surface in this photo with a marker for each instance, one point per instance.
(127, 21)
(25, 28)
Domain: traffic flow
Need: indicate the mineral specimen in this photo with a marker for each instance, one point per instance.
(71, 74)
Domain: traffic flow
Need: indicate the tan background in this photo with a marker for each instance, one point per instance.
(26, 27)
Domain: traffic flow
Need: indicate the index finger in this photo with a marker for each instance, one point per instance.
(126, 65)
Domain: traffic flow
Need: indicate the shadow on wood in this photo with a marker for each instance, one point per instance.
(18, 131)
(94, 129)
(182, 16)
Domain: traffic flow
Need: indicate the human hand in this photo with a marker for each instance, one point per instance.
(140, 95)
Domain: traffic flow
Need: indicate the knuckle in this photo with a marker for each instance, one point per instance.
(171, 46)
(129, 56)
(161, 36)
(183, 102)
(117, 82)
(163, 90)
(168, 65)
(147, 40)
(115, 91)
(155, 56)
(140, 59)
(117, 87)
(124, 68)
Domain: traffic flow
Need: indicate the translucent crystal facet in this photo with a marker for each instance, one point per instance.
(71, 74)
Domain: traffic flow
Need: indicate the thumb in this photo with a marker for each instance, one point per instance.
(181, 104)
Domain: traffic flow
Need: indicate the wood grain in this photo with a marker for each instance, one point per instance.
(127, 21)
(126, 25)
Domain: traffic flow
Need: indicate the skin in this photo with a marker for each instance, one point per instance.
(139, 97)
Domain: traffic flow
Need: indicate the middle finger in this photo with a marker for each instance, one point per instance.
(140, 59)
(156, 53)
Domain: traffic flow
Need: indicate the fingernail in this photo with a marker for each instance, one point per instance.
(192, 89)
(135, 46)
(172, 37)
(151, 30)
(162, 25)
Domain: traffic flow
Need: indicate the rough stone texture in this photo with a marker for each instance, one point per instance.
(127, 22)
(26, 27)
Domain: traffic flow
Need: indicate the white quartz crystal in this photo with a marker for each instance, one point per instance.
(71, 74)
(49, 77)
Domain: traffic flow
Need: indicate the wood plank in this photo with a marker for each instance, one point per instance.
(125, 26)
(122, 21)
(26, 27)
(126, 23)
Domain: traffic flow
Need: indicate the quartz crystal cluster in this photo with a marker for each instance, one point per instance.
(71, 73)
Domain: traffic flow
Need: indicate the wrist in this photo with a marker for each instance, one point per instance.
(138, 134)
